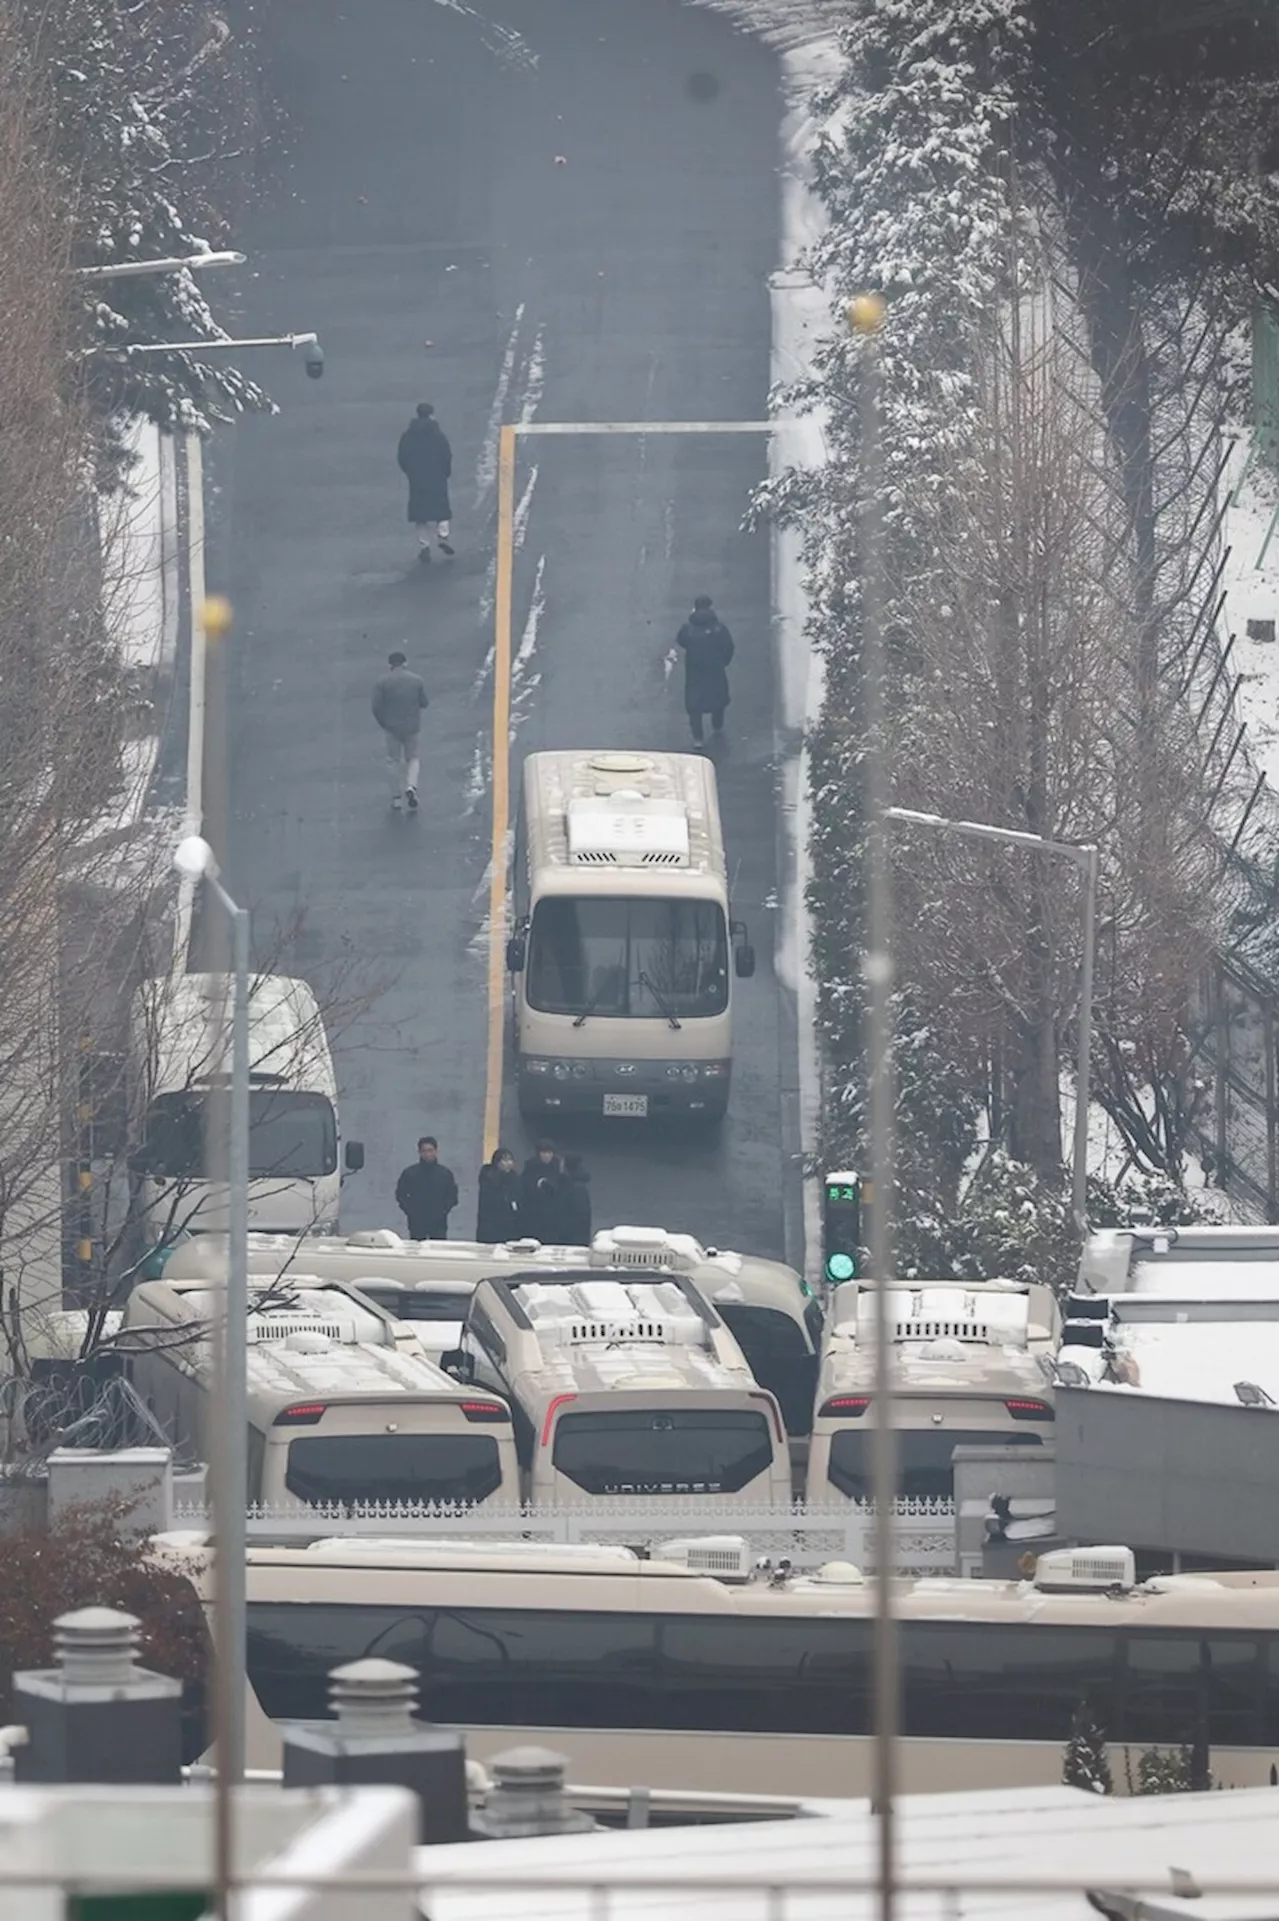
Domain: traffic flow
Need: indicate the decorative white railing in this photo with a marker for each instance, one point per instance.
(925, 1531)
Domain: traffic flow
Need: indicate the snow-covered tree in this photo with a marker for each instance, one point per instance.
(150, 99)
(1085, 1764)
(1019, 611)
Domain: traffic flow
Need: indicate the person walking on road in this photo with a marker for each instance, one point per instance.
(498, 1209)
(573, 1226)
(426, 1193)
(540, 1194)
(399, 700)
(708, 649)
(425, 458)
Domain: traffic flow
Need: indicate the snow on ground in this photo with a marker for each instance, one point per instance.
(1249, 532)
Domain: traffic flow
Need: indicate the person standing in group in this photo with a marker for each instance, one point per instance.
(708, 649)
(399, 700)
(573, 1225)
(540, 1194)
(498, 1208)
(426, 1193)
(425, 458)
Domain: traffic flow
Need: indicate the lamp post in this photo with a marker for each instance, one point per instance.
(1083, 855)
(178, 263)
(195, 860)
(308, 344)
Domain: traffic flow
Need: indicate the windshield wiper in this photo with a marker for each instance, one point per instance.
(591, 1006)
(664, 1006)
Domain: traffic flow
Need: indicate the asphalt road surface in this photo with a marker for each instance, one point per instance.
(564, 211)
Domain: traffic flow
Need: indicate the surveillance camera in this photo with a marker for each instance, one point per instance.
(313, 360)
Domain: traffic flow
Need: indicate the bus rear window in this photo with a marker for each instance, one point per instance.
(663, 1451)
(924, 1458)
(344, 1470)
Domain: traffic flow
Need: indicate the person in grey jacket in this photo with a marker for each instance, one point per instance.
(399, 698)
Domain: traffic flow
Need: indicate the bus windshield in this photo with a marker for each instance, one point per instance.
(629, 958)
(347, 1469)
(672, 1451)
(291, 1136)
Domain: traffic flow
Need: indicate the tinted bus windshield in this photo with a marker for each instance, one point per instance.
(292, 1136)
(924, 1459)
(663, 1451)
(347, 1469)
(639, 959)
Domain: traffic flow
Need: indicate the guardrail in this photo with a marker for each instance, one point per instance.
(925, 1531)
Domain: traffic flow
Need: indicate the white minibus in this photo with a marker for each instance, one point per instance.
(619, 951)
(179, 1057)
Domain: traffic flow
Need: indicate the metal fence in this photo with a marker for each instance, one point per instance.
(1236, 1052)
(925, 1531)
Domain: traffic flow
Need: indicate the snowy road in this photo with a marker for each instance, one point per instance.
(422, 224)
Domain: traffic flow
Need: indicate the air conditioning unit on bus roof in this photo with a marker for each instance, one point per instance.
(1085, 1570)
(625, 829)
(645, 1247)
(726, 1556)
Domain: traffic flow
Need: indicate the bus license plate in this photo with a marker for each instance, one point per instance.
(628, 1106)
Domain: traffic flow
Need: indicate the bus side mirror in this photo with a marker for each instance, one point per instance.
(353, 1156)
(458, 1363)
(744, 961)
(515, 954)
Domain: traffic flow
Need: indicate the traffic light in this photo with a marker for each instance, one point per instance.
(842, 1197)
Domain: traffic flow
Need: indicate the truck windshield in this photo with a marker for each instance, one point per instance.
(638, 959)
(291, 1136)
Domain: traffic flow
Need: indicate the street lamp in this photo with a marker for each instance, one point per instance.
(308, 344)
(1083, 855)
(134, 269)
(195, 861)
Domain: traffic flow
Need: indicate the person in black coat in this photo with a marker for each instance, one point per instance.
(708, 649)
(540, 1183)
(498, 1209)
(425, 459)
(426, 1194)
(573, 1226)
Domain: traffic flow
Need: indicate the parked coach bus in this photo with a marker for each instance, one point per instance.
(651, 1672)
(620, 947)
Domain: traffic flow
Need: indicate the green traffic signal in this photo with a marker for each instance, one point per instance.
(841, 1267)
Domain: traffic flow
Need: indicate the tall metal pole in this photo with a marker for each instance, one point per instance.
(866, 315)
(232, 1532)
(1084, 1045)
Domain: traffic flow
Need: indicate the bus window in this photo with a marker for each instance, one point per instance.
(669, 1451)
(924, 1458)
(961, 1678)
(394, 1468)
(633, 958)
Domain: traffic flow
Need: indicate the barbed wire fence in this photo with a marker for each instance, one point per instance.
(76, 1410)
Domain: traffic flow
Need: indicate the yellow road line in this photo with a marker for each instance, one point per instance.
(501, 784)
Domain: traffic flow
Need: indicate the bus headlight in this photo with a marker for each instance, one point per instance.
(715, 1070)
(560, 1069)
(537, 1067)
